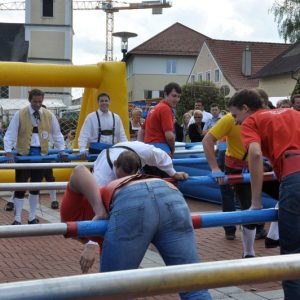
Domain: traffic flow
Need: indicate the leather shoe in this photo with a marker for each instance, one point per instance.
(270, 243)
(230, 236)
(34, 221)
(9, 206)
(261, 234)
(54, 205)
(16, 223)
(248, 256)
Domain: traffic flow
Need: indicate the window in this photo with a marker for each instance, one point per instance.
(171, 66)
(147, 94)
(207, 76)
(200, 77)
(217, 75)
(153, 94)
(4, 92)
(48, 8)
(192, 78)
(130, 95)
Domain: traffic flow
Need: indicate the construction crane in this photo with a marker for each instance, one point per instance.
(109, 7)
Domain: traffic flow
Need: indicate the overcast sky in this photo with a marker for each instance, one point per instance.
(220, 19)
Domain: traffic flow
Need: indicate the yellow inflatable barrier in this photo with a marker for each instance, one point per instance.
(109, 77)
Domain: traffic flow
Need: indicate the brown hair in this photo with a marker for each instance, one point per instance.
(35, 92)
(129, 161)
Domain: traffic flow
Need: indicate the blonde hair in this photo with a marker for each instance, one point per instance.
(198, 112)
(135, 111)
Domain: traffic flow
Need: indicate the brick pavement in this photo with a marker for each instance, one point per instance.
(46, 257)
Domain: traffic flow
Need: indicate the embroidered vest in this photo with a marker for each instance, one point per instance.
(26, 128)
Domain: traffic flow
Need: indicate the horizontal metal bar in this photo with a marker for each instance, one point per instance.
(14, 231)
(191, 181)
(51, 151)
(154, 281)
(192, 151)
(31, 166)
(98, 228)
(47, 158)
(33, 186)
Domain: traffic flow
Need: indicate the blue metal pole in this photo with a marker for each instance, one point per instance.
(206, 220)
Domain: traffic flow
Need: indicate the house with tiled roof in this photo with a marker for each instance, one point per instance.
(168, 56)
(279, 77)
(231, 65)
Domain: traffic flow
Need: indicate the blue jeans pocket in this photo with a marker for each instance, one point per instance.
(129, 222)
(180, 214)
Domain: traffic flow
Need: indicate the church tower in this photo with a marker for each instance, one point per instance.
(49, 31)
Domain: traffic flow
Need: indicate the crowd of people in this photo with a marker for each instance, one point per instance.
(127, 185)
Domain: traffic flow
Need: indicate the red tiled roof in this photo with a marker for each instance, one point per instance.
(182, 40)
(175, 40)
(228, 55)
(286, 62)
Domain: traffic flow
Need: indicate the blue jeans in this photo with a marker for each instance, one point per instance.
(150, 212)
(289, 227)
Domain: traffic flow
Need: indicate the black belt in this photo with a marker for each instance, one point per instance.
(35, 129)
(106, 132)
(291, 154)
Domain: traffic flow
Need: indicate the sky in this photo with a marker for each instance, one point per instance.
(245, 20)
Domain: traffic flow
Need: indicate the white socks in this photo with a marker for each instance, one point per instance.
(52, 194)
(33, 201)
(274, 231)
(18, 208)
(248, 237)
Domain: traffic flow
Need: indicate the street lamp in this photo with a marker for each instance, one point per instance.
(124, 35)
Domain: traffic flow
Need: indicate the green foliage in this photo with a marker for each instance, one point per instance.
(287, 16)
(203, 90)
(297, 88)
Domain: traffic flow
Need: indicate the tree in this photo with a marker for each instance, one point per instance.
(204, 90)
(296, 89)
(287, 16)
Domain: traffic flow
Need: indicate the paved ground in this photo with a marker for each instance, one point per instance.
(46, 257)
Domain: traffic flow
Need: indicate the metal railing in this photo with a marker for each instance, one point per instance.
(154, 281)
(98, 228)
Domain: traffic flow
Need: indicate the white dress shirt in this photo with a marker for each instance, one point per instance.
(11, 135)
(206, 116)
(90, 129)
(148, 154)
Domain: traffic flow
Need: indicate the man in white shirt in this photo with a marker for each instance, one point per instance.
(104, 170)
(29, 132)
(199, 106)
(101, 129)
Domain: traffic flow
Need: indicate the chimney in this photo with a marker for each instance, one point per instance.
(246, 62)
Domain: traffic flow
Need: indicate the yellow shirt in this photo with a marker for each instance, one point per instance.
(226, 127)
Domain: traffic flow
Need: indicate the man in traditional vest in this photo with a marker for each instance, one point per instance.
(29, 132)
(101, 129)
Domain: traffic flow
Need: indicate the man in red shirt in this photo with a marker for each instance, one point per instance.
(158, 128)
(276, 135)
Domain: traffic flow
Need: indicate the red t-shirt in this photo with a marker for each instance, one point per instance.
(276, 130)
(159, 120)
